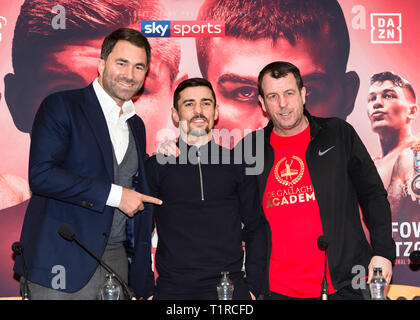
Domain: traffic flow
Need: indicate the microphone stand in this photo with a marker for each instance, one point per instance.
(68, 234)
(18, 250)
(324, 285)
(323, 245)
(128, 291)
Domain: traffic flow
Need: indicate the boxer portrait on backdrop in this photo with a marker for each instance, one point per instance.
(13, 189)
(391, 108)
(312, 34)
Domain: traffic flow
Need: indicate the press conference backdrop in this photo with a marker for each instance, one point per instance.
(47, 46)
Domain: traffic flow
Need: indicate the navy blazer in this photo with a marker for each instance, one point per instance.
(70, 175)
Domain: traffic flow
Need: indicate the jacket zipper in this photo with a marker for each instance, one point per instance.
(201, 175)
(269, 235)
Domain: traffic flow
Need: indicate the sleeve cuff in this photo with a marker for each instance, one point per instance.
(114, 197)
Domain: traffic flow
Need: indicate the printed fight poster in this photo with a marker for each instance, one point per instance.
(364, 70)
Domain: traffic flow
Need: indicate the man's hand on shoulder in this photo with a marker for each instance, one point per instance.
(169, 148)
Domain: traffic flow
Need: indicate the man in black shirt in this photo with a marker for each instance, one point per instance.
(206, 196)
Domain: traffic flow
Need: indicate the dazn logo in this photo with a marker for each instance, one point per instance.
(386, 27)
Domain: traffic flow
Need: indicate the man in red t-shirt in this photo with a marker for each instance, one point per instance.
(316, 174)
(291, 208)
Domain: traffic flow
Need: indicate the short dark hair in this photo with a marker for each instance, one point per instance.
(133, 36)
(396, 80)
(276, 19)
(279, 69)
(192, 82)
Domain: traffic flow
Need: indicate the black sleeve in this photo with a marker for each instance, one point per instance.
(254, 232)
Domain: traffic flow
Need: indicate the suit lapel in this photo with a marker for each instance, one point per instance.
(96, 119)
(133, 226)
(139, 137)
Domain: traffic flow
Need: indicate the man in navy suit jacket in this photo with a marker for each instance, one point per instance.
(81, 140)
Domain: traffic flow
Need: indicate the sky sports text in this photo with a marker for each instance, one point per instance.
(182, 29)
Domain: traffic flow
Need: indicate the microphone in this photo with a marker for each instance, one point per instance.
(322, 243)
(415, 256)
(17, 248)
(68, 234)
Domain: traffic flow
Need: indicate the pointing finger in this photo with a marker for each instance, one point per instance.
(149, 199)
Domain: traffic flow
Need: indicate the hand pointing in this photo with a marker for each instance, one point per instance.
(133, 201)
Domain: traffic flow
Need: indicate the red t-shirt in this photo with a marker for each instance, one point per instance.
(296, 263)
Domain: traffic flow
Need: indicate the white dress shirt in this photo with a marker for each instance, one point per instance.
(118, 132)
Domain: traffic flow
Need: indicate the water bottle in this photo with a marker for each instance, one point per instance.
(225, 287)
(378, 285)
(111, 289)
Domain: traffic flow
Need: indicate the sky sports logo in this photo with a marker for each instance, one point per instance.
(181, 29)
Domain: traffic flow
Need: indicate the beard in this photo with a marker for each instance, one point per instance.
(113, 87)
(199, 132)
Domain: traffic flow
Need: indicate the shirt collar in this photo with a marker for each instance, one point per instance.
(110, 108)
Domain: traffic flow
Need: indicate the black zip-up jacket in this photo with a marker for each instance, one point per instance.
(343, 176)
(205, 198)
